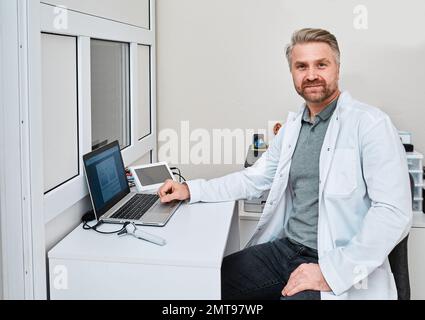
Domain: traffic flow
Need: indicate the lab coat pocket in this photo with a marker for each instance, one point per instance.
(381, 285)
(342, 179)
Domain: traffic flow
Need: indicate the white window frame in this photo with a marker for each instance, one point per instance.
(86, 28)
(24, 209)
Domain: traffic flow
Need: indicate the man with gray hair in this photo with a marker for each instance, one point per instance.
(339, 198)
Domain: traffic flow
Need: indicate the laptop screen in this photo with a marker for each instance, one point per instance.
(106, 177)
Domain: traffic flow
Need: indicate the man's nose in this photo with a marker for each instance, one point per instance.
(311, 74)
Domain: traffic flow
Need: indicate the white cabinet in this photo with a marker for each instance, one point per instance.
(417, 234)
(247, 223)
(414, 161)
(416, 257)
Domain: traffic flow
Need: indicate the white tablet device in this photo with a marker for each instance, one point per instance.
(150, 177)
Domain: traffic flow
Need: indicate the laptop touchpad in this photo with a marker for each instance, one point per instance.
(164, 207)
(159, 211)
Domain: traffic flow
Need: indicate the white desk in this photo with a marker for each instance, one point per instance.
(89, 265)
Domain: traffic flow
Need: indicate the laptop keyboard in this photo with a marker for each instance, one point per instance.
(136, 207)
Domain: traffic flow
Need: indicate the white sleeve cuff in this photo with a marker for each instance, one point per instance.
(194, 190)
(331, 276)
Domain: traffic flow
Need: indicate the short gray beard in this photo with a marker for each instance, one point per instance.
(326, 94)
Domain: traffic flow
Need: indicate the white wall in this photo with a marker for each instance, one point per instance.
(221, 63)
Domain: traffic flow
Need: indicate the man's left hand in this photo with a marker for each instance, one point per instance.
(306, 277)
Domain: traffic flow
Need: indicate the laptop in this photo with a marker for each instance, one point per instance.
(112, 200)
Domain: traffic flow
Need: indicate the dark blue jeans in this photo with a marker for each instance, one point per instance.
(261, 272)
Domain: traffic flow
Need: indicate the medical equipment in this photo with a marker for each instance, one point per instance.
(131, 229)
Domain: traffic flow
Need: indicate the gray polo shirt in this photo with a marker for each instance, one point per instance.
(304, 178)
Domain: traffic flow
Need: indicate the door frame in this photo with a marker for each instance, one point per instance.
(21, 199)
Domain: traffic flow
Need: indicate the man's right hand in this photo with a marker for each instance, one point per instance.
(172, 190)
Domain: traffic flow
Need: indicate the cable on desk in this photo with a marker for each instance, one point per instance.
(89, 216)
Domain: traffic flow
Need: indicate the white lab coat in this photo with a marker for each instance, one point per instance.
(364, 197)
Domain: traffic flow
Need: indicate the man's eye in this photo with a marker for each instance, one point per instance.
(322, 65)
(300, 67)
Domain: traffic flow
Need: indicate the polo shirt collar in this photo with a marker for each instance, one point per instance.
(325, 114)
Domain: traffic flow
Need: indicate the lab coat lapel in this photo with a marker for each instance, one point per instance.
(328, 147)
(293, 127)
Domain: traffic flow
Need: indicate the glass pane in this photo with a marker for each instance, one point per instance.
(110, 93)
(60, 109)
